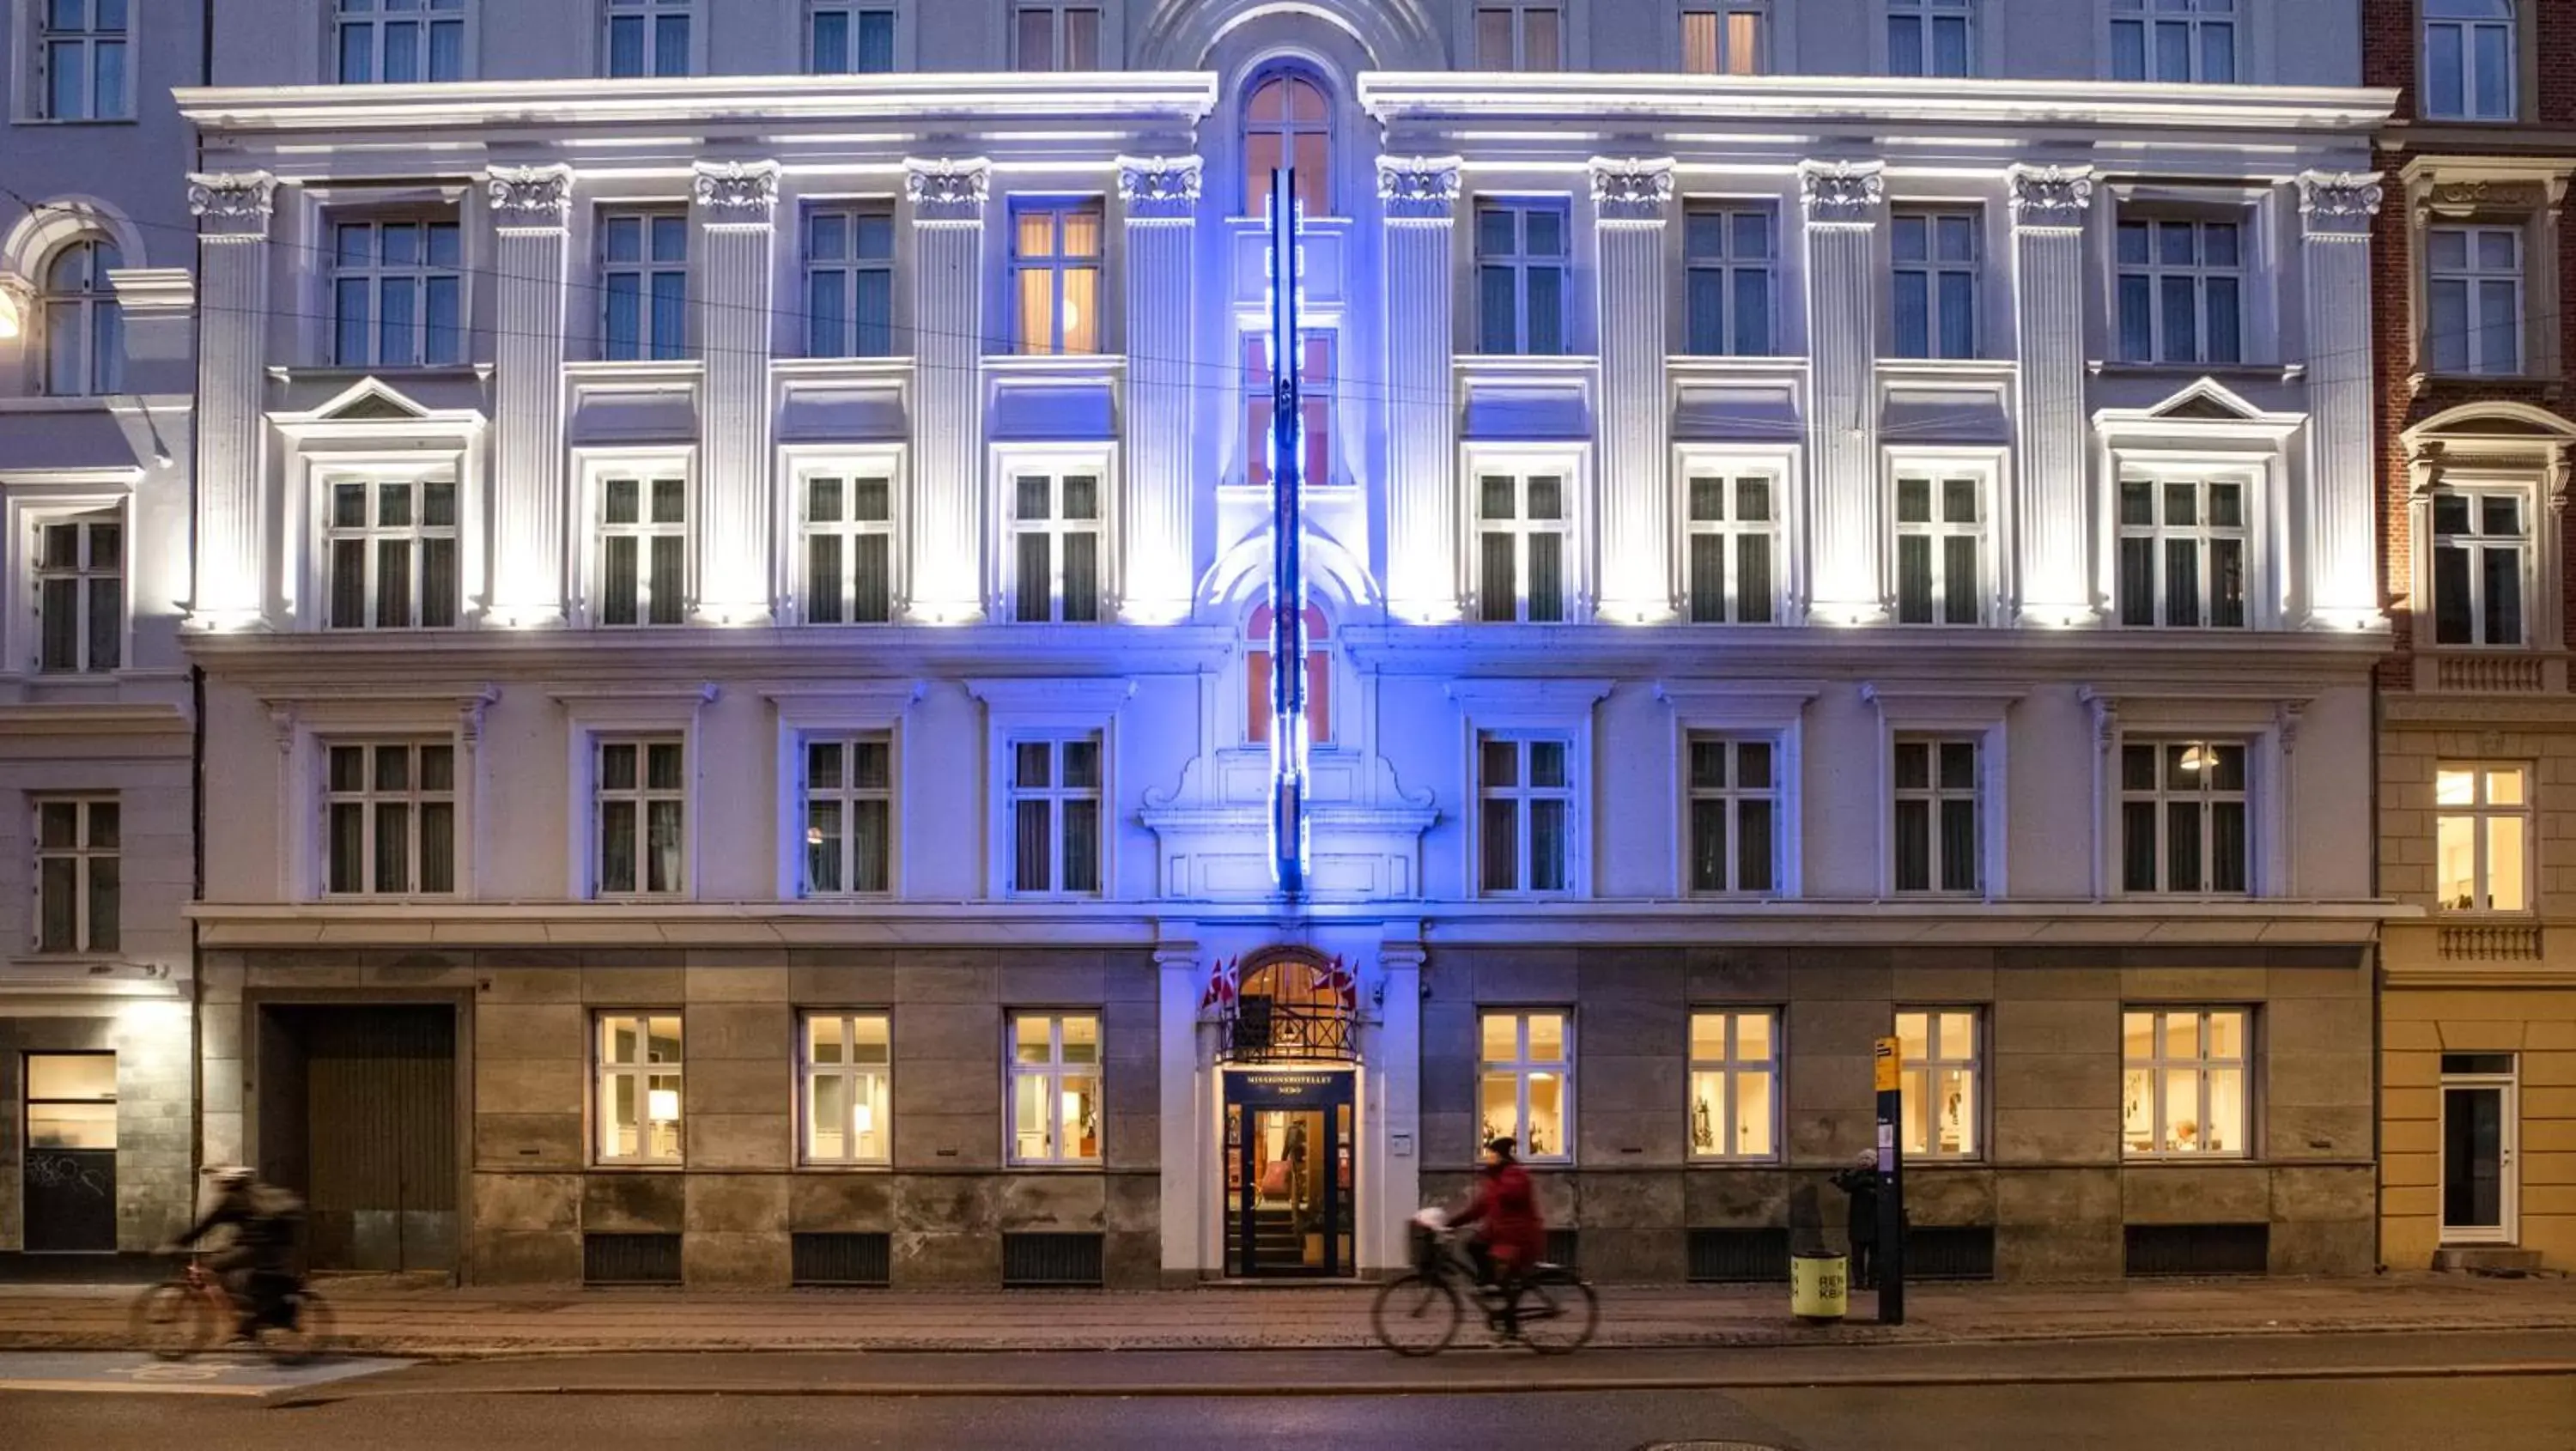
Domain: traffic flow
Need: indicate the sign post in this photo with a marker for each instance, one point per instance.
(1889, 1065)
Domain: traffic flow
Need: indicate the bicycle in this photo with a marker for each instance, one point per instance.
(183, 1315)
(1417, 1313)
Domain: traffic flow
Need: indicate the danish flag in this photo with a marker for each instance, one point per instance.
(1345, 984)
(1221, 985)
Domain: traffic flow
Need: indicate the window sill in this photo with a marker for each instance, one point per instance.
(2419, 383)
(869, 1168)
(1736, 1161)
(2124, 368)
(1082, 1166)
(2185, 1160)
(598, 1167)
(75, 121)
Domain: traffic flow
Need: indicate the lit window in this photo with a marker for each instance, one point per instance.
(81, 52)
(2182, 553)
(2183, 817)
(393, 555)
(1053, 36)
(639, 1088)
(1054, 797)
(1521, 529)
(1287, 123)
(1520, 37)
(643, 551)
(397, 294)
(1056, 521)
(849, 815)
(78, 880)
(2183, 1082)
(84, 324)
(644, 271)
(1936, 283)
(1930, 37)
(1734, 540)
(642, 794)
(1938, 835)
(849, 282)
(2469, 60)
(1730, 253)
(1938, 1051)
(1256, 677)
(2473, 295)
(1525, 1083)
(1735, 1085)
(849, 1072)
(1724, 37)
(401, 41)
(850, 39)
(71, 1101)
(1940, 534)
(649, 37)
(849, 550)
(2181, 291)
(1520, 278)
(1734, 791)
(2480, 543)
(2182, 40)
(80, 592)
(1055, 1088)
(1314, 402)
(1055, 262)
(2482, 831)
(392, 810)
(1525, 818)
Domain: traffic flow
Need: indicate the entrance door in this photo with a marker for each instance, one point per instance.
(2478, 1121)
(70, 1163)
(1289, 1202)
(358, 1114)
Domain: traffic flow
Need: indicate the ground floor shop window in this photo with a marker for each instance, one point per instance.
(2183, 1085)
(1939, 1054)
(1735, 1084)
(848, 1076)
(639, 1088)
(1526, 1087)
(1055, 1088)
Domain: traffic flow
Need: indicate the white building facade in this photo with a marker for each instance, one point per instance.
(732, 566)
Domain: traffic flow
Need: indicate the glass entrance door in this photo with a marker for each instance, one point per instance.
(2478, 1121)
(1289, 1205)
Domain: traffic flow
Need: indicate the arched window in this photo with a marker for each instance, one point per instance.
(1319, 678)
(84, 326)
(1286, 123)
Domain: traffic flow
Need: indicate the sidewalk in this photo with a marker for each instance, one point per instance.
(378, 1318)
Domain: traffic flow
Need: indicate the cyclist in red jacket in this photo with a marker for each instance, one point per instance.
(1515, 1233)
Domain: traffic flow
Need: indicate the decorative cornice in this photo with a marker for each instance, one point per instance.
(1632, 190)
(144, 291)
(2338, 205)
(232, 203)
(2050, 198)
(1842, 193)
(738, 193)
(530, 198)
(1418, 188)
(947, 190)
(1159, 188)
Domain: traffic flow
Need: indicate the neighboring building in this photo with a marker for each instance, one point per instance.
(96, 379)
(2477, 738)
(735, 613)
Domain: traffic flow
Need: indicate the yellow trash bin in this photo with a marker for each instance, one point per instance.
(1819, 1286)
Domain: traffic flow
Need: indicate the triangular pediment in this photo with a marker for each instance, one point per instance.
(2494, 419)
(370, 400)
(2206, 401)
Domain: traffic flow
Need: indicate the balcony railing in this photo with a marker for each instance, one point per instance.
(2491, 942)
(1263, 1030)
(2468, 672)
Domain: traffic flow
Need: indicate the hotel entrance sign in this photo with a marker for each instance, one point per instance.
(1288, 743)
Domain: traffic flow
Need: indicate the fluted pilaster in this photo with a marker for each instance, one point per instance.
(1160, 197)
(2341, 588)
(234, 589)
(1631, 201)
(737, 203)
(1420, 195)
(2048, 207)
(1842, 202)
(530, 209)
(947, 200)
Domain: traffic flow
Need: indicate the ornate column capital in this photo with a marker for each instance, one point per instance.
(737, 193)
(232, 203)
(1159, 188)
(2338, 205)
(1842, 193)
(1418, 188)
(947, 190)
(530, 198)
(1632, 189)
(2049, 198)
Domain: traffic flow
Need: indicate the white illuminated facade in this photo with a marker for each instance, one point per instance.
(733, 567)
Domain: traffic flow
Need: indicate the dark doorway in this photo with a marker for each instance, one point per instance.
(357, 1113)
(69, 1167)
(1289, 1202)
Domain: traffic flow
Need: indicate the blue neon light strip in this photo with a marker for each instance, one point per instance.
(1288, 742)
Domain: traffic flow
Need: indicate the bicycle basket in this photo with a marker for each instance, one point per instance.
(1426, 1250)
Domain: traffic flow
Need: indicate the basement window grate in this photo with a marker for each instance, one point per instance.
(863, 1260)
(1950, 1252)
(2199, 1249)
(630, 1259)
(1564, 1247)
(1031, 1261)
(1739, 1256)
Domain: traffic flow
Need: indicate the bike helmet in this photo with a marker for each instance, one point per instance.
(232, 1176)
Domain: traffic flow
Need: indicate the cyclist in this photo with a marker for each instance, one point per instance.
(256, 1265)
(1515, 1233)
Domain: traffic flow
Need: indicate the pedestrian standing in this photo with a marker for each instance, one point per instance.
(1860, 1182)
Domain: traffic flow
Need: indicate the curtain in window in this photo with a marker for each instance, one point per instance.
(823, 846)
(874, 319)
(437, 844)
(1032, 827)
(348, 845)
(393, 843)
(871, 846)
(670, 557)
(1501, 830)
(671, 46)
(617, 846)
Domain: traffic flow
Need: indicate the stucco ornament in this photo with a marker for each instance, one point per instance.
(947, 191)
(526, 197)
(1842, 193)
(738, 193)
(2051, 197)
(1638, 190)
(1418, 188)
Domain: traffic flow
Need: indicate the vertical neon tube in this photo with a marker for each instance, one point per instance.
(1287, 547)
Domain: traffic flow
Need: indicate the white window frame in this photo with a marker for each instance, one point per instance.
(1525, 708)
(605, 1072)
(653, 13)
(628, 711)
(376, 275)
(307, 724)
(1724, 56)
(1934, 795)
(1523, 264)
(1955, 712)
(864, 1084)
(1730, 1070)
(2146, 16)
(369, 800)
(1054, 1073)
(1772, 710)
(85, 574)
(1732, 532)
(88, 41)
(1056, 529)
(1038, 708)
(1927, 15)
(1524, 794)
(2199, 272)
(1521, 1067)
(84, 853)
(644, 470)
(2202, 534)
(650, 345)
(1111, 38)
(847, 796)
(1471, 45)
(376, 21)
(1057, 265)
(2473, 279)
(102, 374)
(2480, 811)
(845, 272)
(2268, 727)
(1917, 1077)
(642, 796)
(1933, 268)
(2157, 1066)
(1937, 475)
(835, 710)
(1727, 265)
(1057, 794)
(371, 535)
(2469, 27)
(2205, 798)
(899, 42)
(1730, 796)
(1573, 600)
(850, 467)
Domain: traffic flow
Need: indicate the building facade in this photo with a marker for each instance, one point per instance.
(733, 571)
(97, 379)
(2478, 1046)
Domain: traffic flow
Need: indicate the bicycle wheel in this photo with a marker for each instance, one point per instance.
(1415, 1315)
(173, 1320)
(1558, 1311)
(306, 1336)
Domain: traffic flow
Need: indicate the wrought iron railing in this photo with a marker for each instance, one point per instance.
(1263, 1030)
